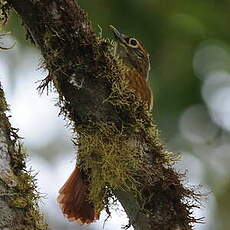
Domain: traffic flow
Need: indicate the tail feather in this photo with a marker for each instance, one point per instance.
(73, 200)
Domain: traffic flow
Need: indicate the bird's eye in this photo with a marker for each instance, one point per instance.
(133, 42)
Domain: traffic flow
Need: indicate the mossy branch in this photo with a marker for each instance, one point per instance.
(18, 195)
(119, 145)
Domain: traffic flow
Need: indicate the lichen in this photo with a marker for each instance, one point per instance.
(111, 158)
(4, 9)
(23, 198)
(26, 195)
(3, 105)
(18, 202)
(114, 160)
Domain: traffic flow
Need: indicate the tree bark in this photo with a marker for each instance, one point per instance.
(108, 117)
(18, 195)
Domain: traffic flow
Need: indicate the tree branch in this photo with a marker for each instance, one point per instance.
(18, 195)
(118, 143)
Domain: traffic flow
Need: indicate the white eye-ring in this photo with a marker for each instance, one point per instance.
(133, 42)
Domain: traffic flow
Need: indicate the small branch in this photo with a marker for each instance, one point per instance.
(118, 143)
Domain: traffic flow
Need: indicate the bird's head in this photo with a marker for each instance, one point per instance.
(132, 52)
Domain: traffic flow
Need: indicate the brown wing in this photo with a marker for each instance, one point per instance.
(141, 88)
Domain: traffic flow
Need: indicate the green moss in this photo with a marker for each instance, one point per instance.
(35, 219)
(114, 158)
(19, 202)
(21, 182)
(26, 198)
(3, 104)
(4, 8)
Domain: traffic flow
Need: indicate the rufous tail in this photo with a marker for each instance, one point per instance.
(73, 199)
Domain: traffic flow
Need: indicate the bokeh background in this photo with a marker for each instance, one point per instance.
(189, 43)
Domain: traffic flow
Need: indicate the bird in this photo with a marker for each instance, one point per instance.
(136, 59)
(74, 195)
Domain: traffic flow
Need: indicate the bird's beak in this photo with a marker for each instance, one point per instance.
(118, 36)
